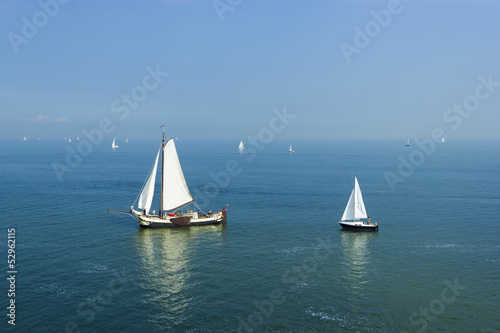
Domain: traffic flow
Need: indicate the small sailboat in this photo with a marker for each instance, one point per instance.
(408, 142)
(77, 138)
(174, 195)
(126, 140)
(291, 151)
(69, 140)
(114, 145)
(25, 139)
(355, 217)
(241, 146)
(442, 140)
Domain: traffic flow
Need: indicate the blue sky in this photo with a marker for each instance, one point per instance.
(226, 76)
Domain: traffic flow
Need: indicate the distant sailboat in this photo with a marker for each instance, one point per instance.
(241, 146)
(25, 139)
(114, 145)
(77, 138)
(442, 140)
(173, 196)
(408, 142)
(69, 140)
(126, 140)
(291, 151)
(355, 211)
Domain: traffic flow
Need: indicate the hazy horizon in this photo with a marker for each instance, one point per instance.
(343, 70)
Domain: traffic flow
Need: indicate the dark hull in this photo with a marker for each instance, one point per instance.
(359, 227)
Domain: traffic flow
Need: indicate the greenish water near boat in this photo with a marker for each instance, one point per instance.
(280, 264)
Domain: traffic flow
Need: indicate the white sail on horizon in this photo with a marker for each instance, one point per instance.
(241, 146)
(175, 190)
(355, 208)
(146, 197)
(113, 145)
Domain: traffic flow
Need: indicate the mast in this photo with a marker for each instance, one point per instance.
(354, 206)
(162, 169)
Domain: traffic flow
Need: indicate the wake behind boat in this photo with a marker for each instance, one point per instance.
(174, 195)
(355, 212)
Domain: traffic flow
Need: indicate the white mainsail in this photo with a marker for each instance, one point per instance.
(113, 145)
(241, 146)
(146, 197)
(355, 208)
(175, 190)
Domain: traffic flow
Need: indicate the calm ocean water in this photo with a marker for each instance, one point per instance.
(280, 264)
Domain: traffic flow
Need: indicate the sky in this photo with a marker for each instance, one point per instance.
(217, 69)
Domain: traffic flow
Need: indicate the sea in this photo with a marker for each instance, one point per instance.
(281, 262)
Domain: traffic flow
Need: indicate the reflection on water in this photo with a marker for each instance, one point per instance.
(167, 257)
(356, 256)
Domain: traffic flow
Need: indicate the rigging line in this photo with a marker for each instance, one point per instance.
(201, 210)
(121, 215)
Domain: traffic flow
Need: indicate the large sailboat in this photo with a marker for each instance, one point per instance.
(174, 195)
(355, 213)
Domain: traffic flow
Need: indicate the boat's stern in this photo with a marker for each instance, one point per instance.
(221, 216)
